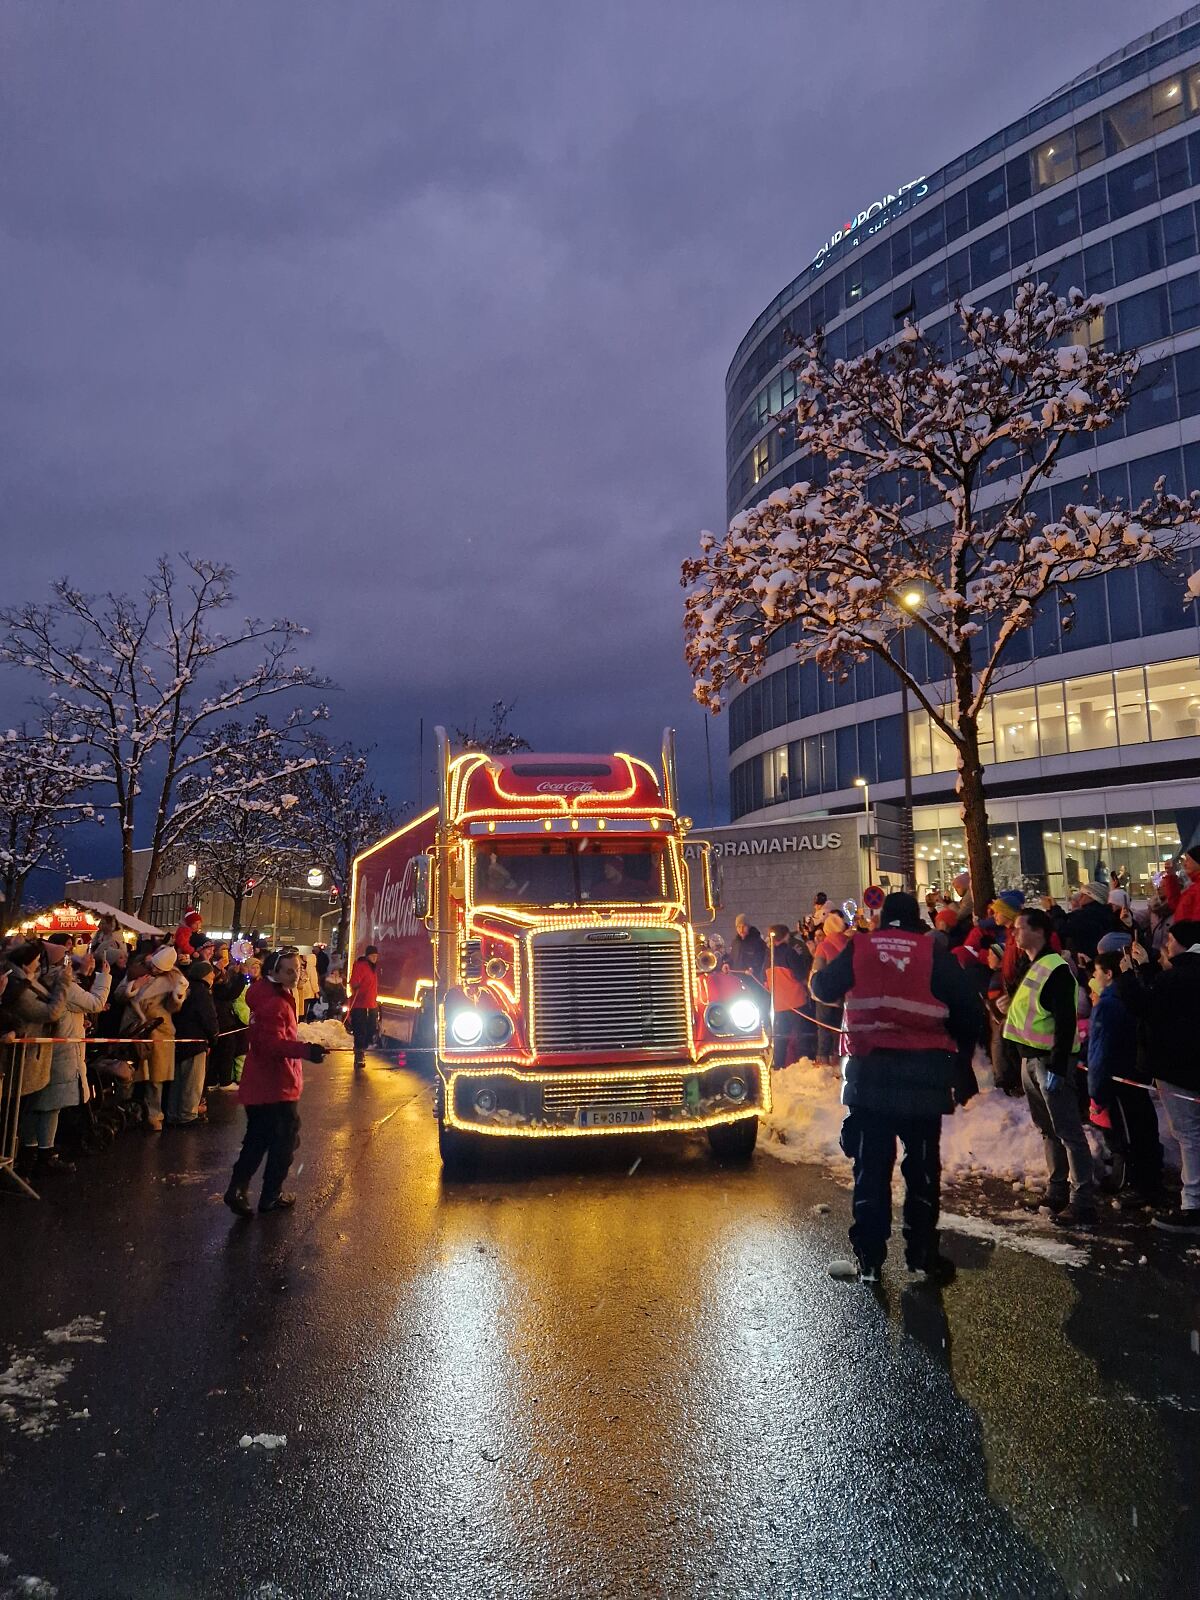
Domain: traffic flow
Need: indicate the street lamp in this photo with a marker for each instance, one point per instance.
(861, 783)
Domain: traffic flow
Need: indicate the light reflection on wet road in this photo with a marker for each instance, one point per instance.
(561, 1379)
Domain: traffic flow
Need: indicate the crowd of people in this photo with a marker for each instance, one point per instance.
(158, 1025)
(1082, 1009)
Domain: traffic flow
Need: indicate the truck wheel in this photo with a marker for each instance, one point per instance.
(734, 1140)
(459, 1151)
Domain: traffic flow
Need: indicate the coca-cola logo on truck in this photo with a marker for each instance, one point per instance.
(391, 911)
(573, 787)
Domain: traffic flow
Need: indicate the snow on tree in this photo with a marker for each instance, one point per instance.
(339, 811)
(44, 777)
(977, 436)
(496, 739)
(233, 810)
(142, 680)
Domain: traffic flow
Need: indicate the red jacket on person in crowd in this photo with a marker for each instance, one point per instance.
(188, 930)
(274, 1068)
(364, 986)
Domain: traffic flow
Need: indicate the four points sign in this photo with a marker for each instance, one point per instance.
(877, 214)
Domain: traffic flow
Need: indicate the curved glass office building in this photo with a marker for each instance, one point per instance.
(1094, 750)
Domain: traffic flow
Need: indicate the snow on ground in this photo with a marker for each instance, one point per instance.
(991, 1137)
(329, 1033)
(29, 1384)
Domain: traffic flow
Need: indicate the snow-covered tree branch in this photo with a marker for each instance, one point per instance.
(339, 813)
(44, 776)
(234, 808)
(497, 739)
(978, 435)
(140, 681)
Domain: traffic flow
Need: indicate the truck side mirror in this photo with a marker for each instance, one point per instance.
(421, 886)
(712, 880)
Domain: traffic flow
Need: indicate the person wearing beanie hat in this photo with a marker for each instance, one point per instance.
(1114, 943)
(1083, 928)
(912, 1022)
(1187, 908)
(946, 919)
(189, 935)
(196, 1028)
(152, 1001)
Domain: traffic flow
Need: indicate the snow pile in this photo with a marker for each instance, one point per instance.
(80, 1330)
(331, 1034)
(1016, 1231)
(27, 1394)
(266, 1441)
(992, 1136)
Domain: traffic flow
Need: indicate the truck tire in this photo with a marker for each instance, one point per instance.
(459, 1151)
(734, 1141)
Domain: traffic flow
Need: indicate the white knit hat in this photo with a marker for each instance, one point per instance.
(164, 959)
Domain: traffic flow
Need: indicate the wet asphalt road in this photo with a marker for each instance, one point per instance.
(565, 1378)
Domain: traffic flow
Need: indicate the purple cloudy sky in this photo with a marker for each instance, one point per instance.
(419, 314)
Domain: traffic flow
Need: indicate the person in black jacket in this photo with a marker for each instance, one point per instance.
(749, 951)
(1083, 929)
(196, 1030)
(913, 1022)
(229, 982)
(1173, 1038)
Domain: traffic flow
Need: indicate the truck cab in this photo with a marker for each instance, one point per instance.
(561, 987)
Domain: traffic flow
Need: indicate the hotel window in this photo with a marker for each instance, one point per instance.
(1127, 123)
(1173, 692)
(762, 460)
(1054, 160)
(1167, 104)
(1091, 712)
(1016, 725)
(942, 750)
(920, 745)
(1089, 143)
(1131, 706)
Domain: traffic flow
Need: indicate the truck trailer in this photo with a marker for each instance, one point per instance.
(538, 947)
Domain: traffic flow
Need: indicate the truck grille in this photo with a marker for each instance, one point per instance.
(568, 1097)
(625, 993)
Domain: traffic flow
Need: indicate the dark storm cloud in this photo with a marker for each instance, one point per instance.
(420, 315)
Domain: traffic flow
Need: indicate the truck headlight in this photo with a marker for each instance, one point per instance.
(744, 1014)
(466, 1026)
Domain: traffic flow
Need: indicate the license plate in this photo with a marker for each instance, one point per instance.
(615, 1116)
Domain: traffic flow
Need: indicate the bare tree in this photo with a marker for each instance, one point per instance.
(234, 810)
(852, 560)
(43, 782)
(143, 679)
(496, 739)
(339, 813)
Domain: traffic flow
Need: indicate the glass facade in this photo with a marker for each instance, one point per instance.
(1060, 853)
(1098, 188)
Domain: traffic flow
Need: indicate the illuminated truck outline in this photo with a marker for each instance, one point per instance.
(460, 974)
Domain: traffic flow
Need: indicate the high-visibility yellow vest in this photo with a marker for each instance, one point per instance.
(1028, 1022)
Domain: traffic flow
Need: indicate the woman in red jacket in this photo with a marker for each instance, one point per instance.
(272, 1082)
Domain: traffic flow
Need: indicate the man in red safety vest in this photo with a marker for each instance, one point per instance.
(912, 1022)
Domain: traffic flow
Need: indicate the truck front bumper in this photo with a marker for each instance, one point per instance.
(674, 1098)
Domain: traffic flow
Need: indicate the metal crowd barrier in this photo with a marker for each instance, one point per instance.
(12, 1064)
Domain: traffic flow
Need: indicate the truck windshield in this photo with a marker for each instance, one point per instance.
(560, 871)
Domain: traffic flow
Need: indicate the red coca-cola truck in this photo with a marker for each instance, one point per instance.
(537, 939)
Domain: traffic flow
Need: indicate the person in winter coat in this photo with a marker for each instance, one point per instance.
(196, 1030)
(912, 1023)
(1042, 1023)
(68, 1085)
(35, 1005)
(270, 1090)
(748, 953)
(1123, 1112)
(1084, 928)
(152, 1003)
(1173, 1045)
(833, 939)
(789, 995)
(107, 945)
(1187, 906)
(364, 1002)
(308, 988)
(189, 936)
(229, 984)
